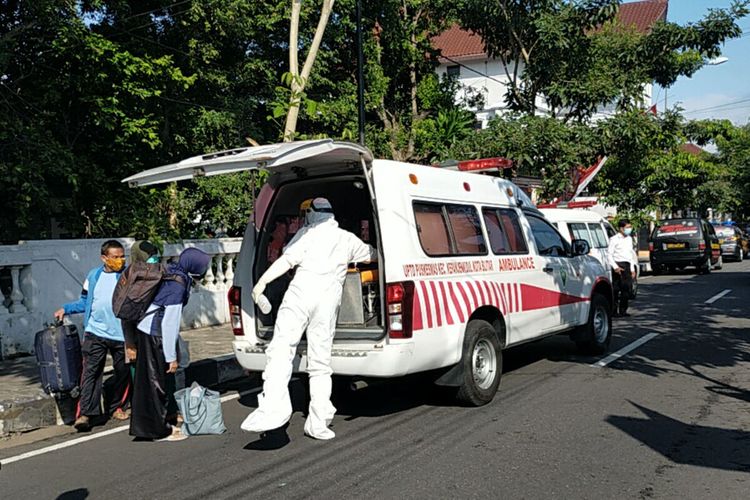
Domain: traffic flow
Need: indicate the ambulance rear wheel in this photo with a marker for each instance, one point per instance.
(597, 332)
(482, 364)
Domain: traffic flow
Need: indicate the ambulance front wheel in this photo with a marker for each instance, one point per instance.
(482, 364)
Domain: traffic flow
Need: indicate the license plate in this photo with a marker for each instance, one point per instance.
(674, 246)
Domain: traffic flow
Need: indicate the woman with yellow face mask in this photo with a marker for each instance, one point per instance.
(103, 334)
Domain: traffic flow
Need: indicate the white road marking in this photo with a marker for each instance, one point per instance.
(622, 352)
(108, 432)
(60, 446)
(718, 296)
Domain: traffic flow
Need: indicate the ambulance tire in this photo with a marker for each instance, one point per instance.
(481, 350)
(597, 332)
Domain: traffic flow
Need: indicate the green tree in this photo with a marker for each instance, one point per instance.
(77, 113)
(575, 58)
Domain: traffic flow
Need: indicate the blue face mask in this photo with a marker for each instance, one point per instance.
(154, 259)
(628, 231)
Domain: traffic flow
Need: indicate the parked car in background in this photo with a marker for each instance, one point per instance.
(678, 243)
(575, 223)
(734, 242)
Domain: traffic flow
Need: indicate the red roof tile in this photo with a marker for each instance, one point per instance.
(642, 15)
(690, 149)
(459, 44)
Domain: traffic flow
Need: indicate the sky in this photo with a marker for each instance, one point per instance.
(714, 92)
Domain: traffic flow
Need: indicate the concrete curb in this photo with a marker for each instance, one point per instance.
(40, 410)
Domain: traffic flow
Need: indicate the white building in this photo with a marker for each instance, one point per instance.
(463, 55)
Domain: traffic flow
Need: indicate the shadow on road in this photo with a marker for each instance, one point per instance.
(78, 494)
(271, 440)
(695, 336)
(689, 444)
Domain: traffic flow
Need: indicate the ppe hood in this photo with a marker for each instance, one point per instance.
(287, 160)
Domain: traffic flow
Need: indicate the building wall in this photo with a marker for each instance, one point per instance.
(489, 78)
(37, 277)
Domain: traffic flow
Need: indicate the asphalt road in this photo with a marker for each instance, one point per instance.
(670, 419)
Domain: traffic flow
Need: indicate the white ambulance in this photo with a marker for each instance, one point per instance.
(467, 266)
(584, 224)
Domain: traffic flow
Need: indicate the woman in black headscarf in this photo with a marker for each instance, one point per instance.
(157, 348)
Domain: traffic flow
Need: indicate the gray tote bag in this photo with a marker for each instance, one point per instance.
(201, 410)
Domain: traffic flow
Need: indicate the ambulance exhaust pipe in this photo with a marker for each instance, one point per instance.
(361, 383)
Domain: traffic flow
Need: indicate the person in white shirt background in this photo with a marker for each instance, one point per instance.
(623, 259)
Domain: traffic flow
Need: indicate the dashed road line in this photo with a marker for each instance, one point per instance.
(718, 296)
(622, 352)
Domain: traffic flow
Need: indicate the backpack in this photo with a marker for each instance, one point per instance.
(136, 288)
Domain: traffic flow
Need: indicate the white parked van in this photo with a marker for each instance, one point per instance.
(467, 266)
(578, 223)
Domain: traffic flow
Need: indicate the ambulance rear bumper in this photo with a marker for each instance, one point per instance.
(390, 360)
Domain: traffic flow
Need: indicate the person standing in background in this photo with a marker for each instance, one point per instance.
(623, 260)
(102, 334)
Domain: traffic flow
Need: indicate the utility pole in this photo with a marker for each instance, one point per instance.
(360, 77)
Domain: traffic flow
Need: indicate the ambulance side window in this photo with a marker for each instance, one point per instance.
(449, 229)
(466, 229)
(548, 240)
(504, 230)
(433, 232)
(600, 240)
(578, 231)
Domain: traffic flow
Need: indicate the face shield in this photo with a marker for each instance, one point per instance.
(315, 210)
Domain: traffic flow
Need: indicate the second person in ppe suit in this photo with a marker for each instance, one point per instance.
(321, 253)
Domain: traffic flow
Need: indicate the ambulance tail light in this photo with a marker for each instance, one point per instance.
(399, 299)
(702, 245)
(235, 309)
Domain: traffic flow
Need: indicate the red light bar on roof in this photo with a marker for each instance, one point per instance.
(484, 164)
(582, 204)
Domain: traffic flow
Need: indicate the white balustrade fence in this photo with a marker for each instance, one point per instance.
(37, 277)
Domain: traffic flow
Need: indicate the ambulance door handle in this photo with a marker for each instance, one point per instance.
(548, 269)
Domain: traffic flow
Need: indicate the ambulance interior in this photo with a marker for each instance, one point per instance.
(360, 311)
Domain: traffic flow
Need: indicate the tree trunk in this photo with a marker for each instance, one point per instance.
(299, 81)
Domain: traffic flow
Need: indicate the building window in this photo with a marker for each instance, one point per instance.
(454, 71)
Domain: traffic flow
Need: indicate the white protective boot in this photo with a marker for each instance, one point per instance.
(267, 416)
(316, 425)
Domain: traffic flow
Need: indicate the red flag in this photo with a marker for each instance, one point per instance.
(583, 176)
(652, 110)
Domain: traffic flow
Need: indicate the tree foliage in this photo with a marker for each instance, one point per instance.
(570, 58)
(93, 91)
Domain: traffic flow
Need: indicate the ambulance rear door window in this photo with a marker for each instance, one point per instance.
(504, 230)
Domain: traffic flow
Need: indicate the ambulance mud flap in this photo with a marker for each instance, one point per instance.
(453, 377)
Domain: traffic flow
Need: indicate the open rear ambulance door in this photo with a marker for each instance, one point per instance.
(284, 162)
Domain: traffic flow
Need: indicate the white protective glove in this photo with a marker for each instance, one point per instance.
(276, 270)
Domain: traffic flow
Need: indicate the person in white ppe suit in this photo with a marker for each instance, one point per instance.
(321, 253)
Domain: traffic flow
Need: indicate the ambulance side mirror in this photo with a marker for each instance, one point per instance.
(580, 247)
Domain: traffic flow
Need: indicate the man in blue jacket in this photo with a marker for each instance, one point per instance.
(103, 333)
